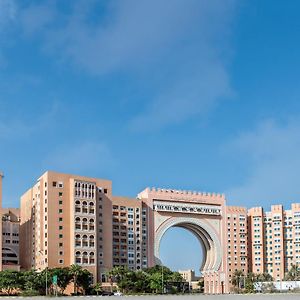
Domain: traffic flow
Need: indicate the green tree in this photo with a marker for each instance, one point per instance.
(249, 285)
(123, 277)
(141, 282)
(264, 277)
(98, 288)
(156, 282)
(293, 274)
(149, 280)
(10, 281)
(175, 276)
(75, 271)
(84, 279)
(39, 280)
(236, 278)
(27, 279)
(64, 277)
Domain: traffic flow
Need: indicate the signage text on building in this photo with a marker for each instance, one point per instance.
(186, 208)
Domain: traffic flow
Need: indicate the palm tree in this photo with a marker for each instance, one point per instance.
(264, 277)
(75, 271)
(293, 273)
(236, 279)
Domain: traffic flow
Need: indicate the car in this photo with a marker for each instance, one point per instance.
(118, 294)
(106, 293)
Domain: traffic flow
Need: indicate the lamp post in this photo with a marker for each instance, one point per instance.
(41, 252)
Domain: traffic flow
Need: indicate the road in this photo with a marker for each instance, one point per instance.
(290, 296)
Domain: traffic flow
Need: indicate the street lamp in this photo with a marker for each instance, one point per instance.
(41, 252)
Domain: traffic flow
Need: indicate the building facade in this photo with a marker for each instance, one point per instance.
(237, 240)
(274, 240)
(66, 220)
(69, 219)
(129, 233)
(200, 213)
(1, 177)
(190, 277)
(10, 239)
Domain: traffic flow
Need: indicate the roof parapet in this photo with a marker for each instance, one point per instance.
(184, 192)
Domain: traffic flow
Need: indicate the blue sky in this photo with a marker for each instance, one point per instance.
(200, 95)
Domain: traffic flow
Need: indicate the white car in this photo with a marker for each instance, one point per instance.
(118, 294)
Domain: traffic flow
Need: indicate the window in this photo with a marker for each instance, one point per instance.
(60, 211)
(54, 183)
(105, 191)
(60, 245)
(60, 227)
(60, 219)
(61, 261)
(60, 202)
(60, 194)
(60, 236)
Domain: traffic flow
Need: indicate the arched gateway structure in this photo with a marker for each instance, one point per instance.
(204, 215)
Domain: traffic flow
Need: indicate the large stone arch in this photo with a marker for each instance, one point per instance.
(206, 235)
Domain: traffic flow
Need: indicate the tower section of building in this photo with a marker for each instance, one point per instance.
(1, 177)
(256, 239)
(10, 238)
(237, 240)
(62, 223)
(274, 240)
(129, 233)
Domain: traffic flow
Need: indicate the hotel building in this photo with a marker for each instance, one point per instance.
(237, 240)
(1, 177)
(129, 233)
(10, 239)
(274, 240)
(69, 219)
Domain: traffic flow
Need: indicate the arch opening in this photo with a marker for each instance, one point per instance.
(181, 249)
(206, 236)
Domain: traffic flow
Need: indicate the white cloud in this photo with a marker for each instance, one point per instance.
(177, 49)
(272, 152)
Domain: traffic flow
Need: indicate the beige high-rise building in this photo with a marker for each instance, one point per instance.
(69, 219)
(274, 240)
(237, 240)
(65, 220)
(10, 238)
(1, 177)
(129, 233)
